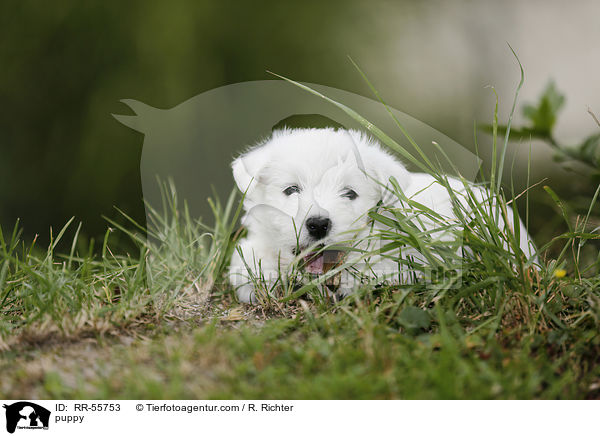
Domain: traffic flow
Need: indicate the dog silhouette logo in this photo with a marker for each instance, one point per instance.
(189, 144)
(26, 415)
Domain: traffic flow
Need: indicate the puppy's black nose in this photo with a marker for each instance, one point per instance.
(318, 226)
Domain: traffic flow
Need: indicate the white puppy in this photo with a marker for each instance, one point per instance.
(306, 187)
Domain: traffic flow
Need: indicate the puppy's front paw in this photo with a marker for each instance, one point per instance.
(246, 294)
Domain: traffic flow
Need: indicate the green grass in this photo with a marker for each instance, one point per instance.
(163, 323)
(329, 356)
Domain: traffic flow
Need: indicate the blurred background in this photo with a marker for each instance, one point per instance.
(64, 66)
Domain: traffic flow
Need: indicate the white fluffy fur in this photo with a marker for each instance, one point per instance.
(324, 164)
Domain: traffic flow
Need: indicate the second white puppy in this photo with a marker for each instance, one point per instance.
(309, 187)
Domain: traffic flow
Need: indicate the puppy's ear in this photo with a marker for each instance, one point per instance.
(382, 166)
(241, 175)
(379, 164)
(247, 167)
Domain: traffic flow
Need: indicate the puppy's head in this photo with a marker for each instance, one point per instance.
(306, 187)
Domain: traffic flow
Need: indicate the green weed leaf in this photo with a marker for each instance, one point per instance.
(543, 115)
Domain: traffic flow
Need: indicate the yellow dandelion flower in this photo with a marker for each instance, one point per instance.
(560, 273)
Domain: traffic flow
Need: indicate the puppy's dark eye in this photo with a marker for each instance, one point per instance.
(350, 194)
(291, 190)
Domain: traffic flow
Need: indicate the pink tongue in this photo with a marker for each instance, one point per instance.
(315, 265)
